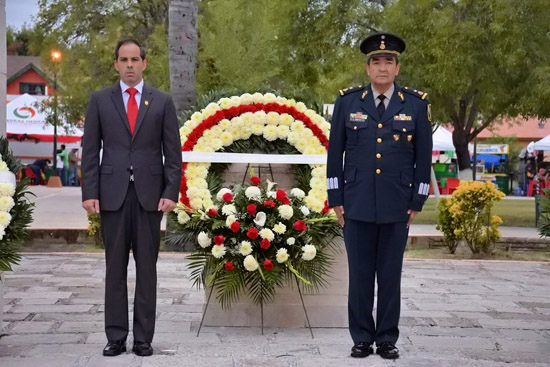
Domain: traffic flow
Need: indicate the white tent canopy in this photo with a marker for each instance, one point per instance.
(25, 121)
(443, 139)
(542, 144)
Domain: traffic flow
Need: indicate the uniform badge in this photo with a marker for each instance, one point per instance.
(409, 137)
(430, 112)
(358, 117)
(402, 117)
(147, 103)
(396, 137)
(401, 95)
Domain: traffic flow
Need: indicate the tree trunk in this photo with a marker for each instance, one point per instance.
(183, 37)
(460, 142)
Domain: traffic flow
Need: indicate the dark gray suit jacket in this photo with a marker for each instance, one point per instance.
(156, 134)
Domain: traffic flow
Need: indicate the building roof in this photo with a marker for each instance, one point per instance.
(15, 63)
(521, 128)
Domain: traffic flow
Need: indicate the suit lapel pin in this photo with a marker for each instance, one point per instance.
(147, 103)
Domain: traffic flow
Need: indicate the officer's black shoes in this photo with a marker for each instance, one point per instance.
(114, 348)
(361, 350)
(387, 350)
(142, 349)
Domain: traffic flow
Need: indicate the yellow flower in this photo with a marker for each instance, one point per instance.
(282, 132)
(496, 220)
(272, 118)
(227, 138)
(270, 132)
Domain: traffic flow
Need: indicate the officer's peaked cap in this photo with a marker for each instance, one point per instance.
(382, 44)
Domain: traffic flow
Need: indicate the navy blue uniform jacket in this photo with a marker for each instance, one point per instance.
(378, 168)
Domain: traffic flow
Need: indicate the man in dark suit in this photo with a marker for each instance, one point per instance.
(378, 170)
(135, 126)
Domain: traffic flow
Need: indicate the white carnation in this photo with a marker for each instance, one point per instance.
(286, 211)
(305, 210)
(267, 233)
(183, 217)
(297, 193)
(282, 255)
(7, 189)
(229, 209)
(279, 228)
(6, 203)
(250, 263)
(253, 193)
(204, 240)
(218, 251)
(5, 219)
(245, 248)
(291, 241)
(309, 252)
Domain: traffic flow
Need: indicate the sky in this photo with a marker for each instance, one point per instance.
(19, 12)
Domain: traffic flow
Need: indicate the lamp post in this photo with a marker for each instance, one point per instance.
(56, 56)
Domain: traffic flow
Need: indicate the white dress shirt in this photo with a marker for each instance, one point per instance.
(126, 96)
(388, 94)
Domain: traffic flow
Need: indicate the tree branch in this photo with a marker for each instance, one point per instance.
(485, 123)
(471, 118)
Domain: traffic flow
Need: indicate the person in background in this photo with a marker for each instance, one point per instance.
(73, 167)
(64, 154)
(38, 167)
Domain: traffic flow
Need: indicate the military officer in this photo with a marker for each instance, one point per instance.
(378, 173)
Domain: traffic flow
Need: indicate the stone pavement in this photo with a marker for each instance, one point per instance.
(455, 313)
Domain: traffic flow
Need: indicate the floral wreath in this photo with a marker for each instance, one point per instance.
(253, 238)
(15, 209)
(238, 118)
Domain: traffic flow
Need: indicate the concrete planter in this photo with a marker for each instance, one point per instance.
(328, 308)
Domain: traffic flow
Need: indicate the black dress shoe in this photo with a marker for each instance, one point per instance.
(142, 349)
(361, 350)
(114, 348)
(387, 350)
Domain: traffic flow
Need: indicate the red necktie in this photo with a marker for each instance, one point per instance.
(132, 108)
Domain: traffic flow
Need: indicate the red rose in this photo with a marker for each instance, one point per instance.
(268, 265)
(285, 201)
(255, 180)
(281, 195)
(251, 209)
(265, 244)
(235, 226)
(300, 225)
(325, 208)
(252, 233)
(212, 212)
(227, 197)
(229, 266)
(270, 203)
(218, 240)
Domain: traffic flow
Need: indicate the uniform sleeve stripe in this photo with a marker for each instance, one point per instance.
(427, 189)
(335, 182)
(421, 189)
(332, 183)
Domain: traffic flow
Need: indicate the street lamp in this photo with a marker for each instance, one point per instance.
(56, 57)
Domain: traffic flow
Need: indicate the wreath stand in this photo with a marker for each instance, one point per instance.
(261, 308)
(261, 303)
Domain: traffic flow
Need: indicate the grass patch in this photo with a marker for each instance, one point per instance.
(465, 254)
(514, 213)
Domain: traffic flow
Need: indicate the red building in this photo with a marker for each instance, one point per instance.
(25, 75)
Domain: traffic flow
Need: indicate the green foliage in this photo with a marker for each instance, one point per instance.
(447, 224)
(544, 219)
(21, 213)
(477, 59)
(94, 229)
(18, 40)
(86, 32)
(467, 216)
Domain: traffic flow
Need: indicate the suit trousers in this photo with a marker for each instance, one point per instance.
(131, 227)
(375, 252)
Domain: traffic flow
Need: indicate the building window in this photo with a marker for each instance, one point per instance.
(32, 88)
